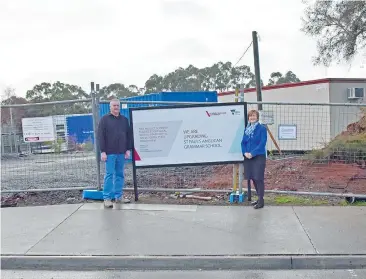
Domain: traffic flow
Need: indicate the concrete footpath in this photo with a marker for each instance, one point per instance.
(179, 237)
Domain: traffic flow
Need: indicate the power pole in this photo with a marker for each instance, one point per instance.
(257, 69)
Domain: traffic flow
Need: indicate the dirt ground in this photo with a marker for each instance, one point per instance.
(301, 175)
(219, 199)
(287, 174)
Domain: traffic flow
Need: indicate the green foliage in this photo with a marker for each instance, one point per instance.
(357, 203)
(88, 145)
(348, 147)
(85, 146)
(220, 76)
(57, 145)
(9, 98)
(47, 92)
(118, 90)
(297, 200)
(58, 91)
(278, 78)
(340, 29)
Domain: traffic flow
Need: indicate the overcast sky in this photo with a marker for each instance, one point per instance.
(106, 41)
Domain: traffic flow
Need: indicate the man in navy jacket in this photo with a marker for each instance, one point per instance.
(115, 142)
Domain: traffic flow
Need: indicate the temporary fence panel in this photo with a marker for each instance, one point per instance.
(323, 150)
(306, 127)
(313, 157)
(56, 163)
(296, 127)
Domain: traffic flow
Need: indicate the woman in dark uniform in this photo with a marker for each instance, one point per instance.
(253, 146)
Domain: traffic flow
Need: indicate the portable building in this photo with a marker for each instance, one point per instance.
(311, 126)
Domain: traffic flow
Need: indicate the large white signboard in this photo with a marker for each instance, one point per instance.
(190, 135)
(38, 129)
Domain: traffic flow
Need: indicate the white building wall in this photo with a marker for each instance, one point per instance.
(312, 121)
(342, 116)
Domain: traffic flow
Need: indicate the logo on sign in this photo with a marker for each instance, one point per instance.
(215, 113)
(32, 139)
(235, 112)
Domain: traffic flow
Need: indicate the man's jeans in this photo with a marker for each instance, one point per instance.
(114, 177)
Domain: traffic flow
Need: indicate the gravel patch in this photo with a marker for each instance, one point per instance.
(79, 170)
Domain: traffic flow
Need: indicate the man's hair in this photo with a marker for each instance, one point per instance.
(114, 101)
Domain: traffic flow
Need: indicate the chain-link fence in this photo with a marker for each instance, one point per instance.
(312, 147)
(48, 145)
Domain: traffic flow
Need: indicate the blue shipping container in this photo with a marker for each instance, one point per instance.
(154, 97)
(80, 128)
(200, 96)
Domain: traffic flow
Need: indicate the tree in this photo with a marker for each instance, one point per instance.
(220, 76)
(340, 29)
(278, 78)
(154, 84)
(58, 91)
(118, 90)
(9, 98)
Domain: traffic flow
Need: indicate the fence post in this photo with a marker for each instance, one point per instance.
(245, 124)
(97, 116)
(236, 166)
(11, 130)
(241, 166)
(95, 127)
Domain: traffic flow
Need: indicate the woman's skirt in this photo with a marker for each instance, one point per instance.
(254, 168)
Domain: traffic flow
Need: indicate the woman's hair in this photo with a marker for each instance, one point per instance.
(253, 111)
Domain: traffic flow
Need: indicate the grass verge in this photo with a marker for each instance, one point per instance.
(358, 203)
(296, 200)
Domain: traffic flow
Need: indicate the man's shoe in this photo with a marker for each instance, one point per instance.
(126, 201)
(118, 203)
(254, 203)
(108, 204)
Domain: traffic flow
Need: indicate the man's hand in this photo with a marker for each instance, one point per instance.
(127, 154)
(248, 155)
(104, 157)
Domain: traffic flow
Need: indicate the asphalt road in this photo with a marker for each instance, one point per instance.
(273, 274)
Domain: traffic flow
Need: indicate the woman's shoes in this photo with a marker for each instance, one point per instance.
(258, 204)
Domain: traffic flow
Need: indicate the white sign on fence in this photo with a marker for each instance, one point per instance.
(38, 129)
(287, 132)
(266, 117)
(188, 135)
